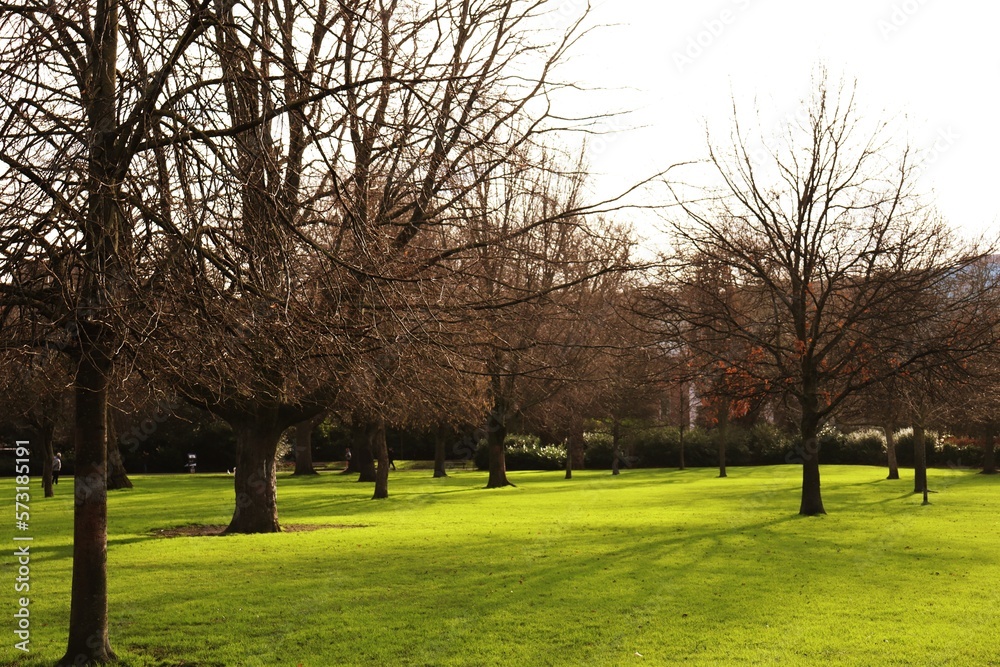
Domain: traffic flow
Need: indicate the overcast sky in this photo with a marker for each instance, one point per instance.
(932, 65)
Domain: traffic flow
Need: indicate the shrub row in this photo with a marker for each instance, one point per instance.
(762, 444)
(524, 452)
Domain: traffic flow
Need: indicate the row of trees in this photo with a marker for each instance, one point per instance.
(274, 211)
(815, 274)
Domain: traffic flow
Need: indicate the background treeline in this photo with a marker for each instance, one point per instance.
(643, 445)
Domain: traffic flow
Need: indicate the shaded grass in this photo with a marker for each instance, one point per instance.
(675, 566)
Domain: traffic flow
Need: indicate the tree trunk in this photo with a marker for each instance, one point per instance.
(382, 453)
(303, 445)
(722, 434)
(615, 438)
(574, 446)
(919, 459)
(88, 622)
(439, 451)
(497, 434)
(722, 454)
(683, 417)
(680, 448)
(989, 453)
(352, 467)
(812, 500)
(117, 475)
(890, 450)
(45, 434)
(363, 456)
(255, 478)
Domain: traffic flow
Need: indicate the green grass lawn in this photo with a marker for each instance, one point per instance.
(653, 567)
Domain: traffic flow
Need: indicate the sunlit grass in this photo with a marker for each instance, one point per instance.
(651, 567)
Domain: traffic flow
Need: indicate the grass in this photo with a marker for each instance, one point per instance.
(653, 567)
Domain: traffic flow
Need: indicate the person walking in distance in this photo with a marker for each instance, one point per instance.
(56, 467)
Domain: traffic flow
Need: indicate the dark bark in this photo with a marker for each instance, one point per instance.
(680, 449)
(722, 454)
(440, 440)
(890, 449)
(497, 434)
(615, 452)
(255, 478)
(919, 459)
(364, 459)
(682, 422)
(117, 475)
(88, 624)
(812, 500)
(722, 434)
(103, 235)
(352, 467)
(989, 453)
(303, 445)
(381, 451)
(45, 435)
(574, 446)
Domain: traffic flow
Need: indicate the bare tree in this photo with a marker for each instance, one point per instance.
(35, 400)
(81, 83)
(828, 247)
(529, 247)
(343, 147)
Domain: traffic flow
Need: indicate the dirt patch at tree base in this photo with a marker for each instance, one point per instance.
(200, 530)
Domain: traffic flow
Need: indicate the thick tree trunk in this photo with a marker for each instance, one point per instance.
(382, 454)
(117, 475)
(364, 459)
(919, 459)
(352, 467)
(890, 450)
(440, 440)
(497, 434)
(303, 445)
(88, 623)
(255, 478)
(812, 500)
(989, 453)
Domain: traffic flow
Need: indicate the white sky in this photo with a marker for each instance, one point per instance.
(932, 65)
